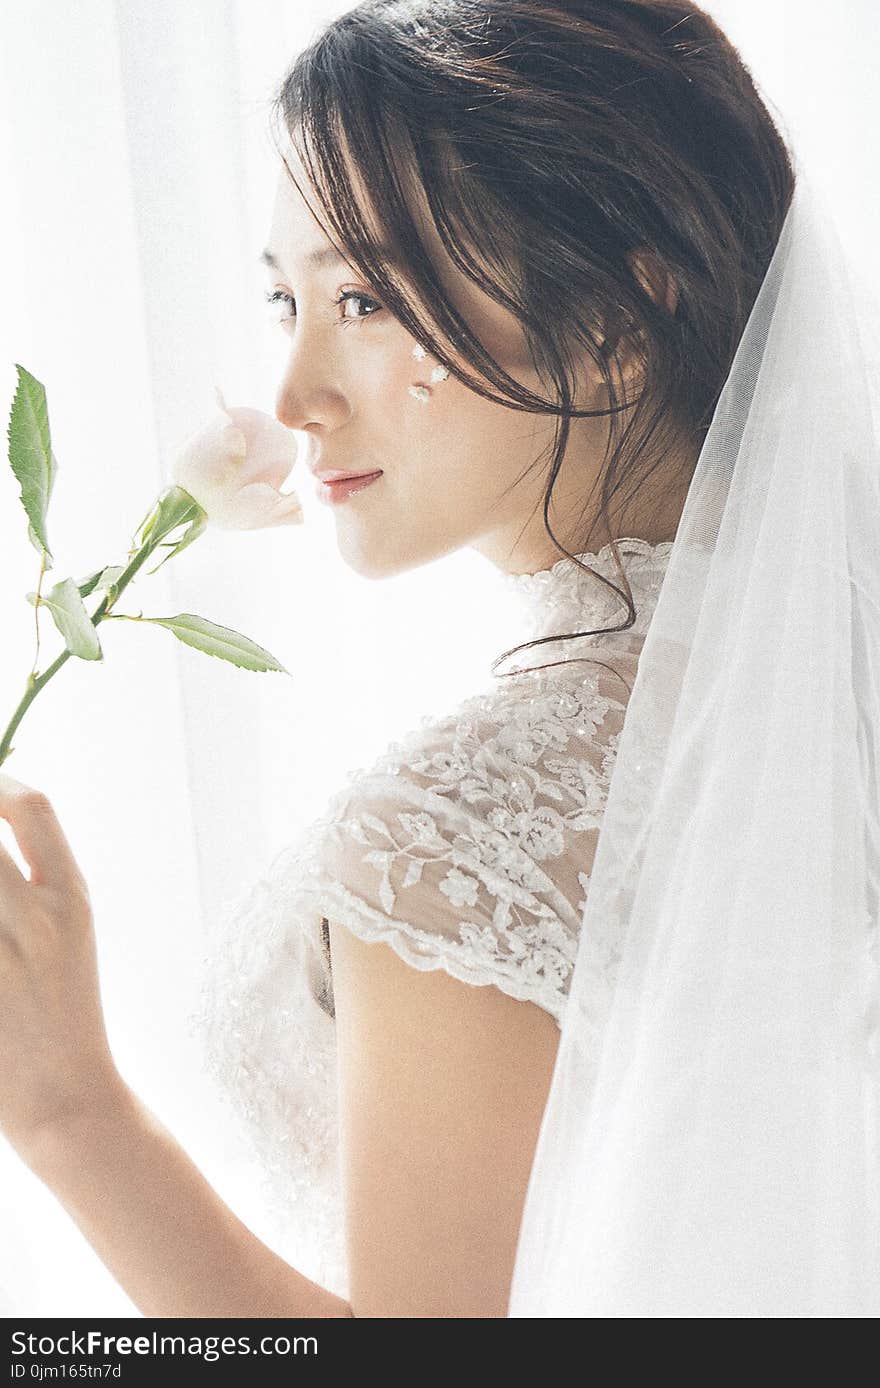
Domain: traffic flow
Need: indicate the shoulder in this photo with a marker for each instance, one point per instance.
(505, 747)
(467, 845)
(463, 856)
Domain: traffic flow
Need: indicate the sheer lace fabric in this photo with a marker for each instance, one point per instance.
(466, 846)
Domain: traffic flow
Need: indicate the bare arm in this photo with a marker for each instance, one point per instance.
(162, 1230)
(442, 1087)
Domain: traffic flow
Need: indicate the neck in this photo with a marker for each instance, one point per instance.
(659, 502)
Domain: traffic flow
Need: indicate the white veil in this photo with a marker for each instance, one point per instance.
(711, 1144)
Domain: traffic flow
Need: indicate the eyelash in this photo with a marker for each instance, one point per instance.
(278, 296)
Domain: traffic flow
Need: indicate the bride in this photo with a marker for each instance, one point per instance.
(515, 248)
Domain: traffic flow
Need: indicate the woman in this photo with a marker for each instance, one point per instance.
(558, 218)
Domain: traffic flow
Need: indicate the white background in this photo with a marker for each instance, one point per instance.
(138, 177)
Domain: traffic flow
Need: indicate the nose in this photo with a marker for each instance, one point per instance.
(308, 396)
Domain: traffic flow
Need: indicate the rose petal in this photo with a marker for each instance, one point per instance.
(257, 507)
(235, 465)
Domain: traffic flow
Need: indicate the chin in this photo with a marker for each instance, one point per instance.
(372, 561)
(382, 561)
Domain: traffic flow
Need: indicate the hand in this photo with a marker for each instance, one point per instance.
(55, 1059)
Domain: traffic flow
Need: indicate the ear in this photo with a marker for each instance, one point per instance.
(654, 278)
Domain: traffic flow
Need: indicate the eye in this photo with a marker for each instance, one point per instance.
(348, 296)
(276, 296)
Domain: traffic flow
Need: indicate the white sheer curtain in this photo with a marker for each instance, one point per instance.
(138, 177)
(138, 180)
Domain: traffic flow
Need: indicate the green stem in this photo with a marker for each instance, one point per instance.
(172, 511)
(37, 615)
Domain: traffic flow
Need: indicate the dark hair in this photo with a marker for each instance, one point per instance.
(590, 129)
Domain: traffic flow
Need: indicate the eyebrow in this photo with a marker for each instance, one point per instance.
(322, 255)
(325, 255)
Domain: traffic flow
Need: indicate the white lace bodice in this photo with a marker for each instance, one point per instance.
(466, 846)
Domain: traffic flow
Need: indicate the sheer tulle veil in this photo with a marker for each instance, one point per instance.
(711, 1144)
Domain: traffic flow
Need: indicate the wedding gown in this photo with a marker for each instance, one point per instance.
(466, 846)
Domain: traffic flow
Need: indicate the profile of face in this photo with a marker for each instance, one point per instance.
(369, 398)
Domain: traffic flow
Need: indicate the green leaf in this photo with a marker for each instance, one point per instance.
(193, 532)
(229, 645)
(71, 618)
(102, 579)
(31, 457)
(174, 507)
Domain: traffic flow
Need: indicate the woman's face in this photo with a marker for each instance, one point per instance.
(448, 463)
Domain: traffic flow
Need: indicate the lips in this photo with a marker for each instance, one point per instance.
(336, 475)
(343, 485)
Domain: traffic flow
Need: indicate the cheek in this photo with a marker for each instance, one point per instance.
(383, 385)
(463, 456)
(424, 419)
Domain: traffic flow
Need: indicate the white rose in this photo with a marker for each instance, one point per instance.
(234, 468)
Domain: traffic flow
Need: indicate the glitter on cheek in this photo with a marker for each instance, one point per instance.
(438, 373)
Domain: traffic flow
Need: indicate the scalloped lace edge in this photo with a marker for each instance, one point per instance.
(370, 927)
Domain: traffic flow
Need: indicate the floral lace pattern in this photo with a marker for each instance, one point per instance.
(466, 846)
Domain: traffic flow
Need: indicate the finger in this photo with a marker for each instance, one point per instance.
(38, 833)
(12, 879)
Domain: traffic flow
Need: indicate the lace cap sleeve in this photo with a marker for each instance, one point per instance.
(468, 845)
